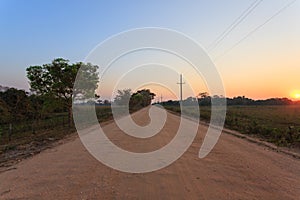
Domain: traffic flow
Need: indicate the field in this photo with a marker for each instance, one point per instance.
(26, 138)
(277, 124)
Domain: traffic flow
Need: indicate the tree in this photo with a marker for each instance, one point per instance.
(203, 95)
(137, 100)
(205, 99)
(57, 78)
(4, 112)
(141, 98)
(86, 82)
(122, 97)
(41, 106)
(106, 102)
(189, 101)
(17, 102)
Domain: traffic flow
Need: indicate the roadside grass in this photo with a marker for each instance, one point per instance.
(276, 124)
(34, 133)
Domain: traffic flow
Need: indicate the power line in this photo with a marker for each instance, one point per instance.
(232, 26)
(255, 29)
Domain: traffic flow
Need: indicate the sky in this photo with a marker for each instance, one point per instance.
(263, 65)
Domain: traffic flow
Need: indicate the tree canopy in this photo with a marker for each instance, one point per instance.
(122, 97)
(141, 98)
(56, 80)
(137, 100)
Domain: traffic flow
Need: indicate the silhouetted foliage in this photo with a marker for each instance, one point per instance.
(16, 103)
(205, 100)
(56, 81)
(4, 112)
(123, 97)
(137, 100)
(140, 99)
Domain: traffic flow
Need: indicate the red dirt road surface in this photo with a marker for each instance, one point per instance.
(235, 169)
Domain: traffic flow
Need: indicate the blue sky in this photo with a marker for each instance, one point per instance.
(35, 32)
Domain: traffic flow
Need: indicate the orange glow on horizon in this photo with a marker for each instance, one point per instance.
(296, 94)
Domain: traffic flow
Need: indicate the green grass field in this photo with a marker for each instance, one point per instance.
(277, 124)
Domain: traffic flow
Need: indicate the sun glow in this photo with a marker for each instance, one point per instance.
(296, 94)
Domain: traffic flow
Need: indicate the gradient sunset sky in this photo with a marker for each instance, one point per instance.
(265, 64)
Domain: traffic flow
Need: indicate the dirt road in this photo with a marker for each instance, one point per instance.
(235, 169)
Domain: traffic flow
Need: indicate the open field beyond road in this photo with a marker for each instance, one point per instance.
(278, 124)
(235, 169)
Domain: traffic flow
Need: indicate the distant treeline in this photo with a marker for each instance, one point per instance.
(240, 100)
(17, 105)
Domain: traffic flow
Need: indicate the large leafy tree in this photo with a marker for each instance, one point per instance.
(57, 78)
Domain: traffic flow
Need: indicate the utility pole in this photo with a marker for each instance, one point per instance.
(180, 83)
(161, 98)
